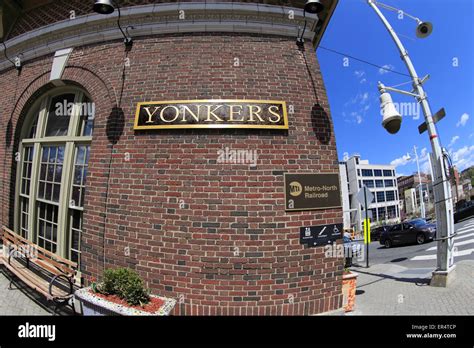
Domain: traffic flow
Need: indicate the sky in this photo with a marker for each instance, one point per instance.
(447, 55)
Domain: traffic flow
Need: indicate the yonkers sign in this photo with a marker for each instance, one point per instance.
(251, 114)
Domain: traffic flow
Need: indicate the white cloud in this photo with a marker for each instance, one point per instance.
(401, 161)
(453, 140)
(363, 81)
(357, 107)
(357, 117)
(462, 121)
(425, 168)
(386, 66)
(359, 73)
(422, 155)
(463, 157)
(360, 98)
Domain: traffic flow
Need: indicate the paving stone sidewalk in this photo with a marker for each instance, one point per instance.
(387, 289)
(18, 302)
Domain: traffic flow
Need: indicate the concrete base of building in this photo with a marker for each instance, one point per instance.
(443, 279)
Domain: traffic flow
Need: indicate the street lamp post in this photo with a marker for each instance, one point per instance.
(422, 201)
(443, 200)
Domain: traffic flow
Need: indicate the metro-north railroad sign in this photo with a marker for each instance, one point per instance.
(311, 191)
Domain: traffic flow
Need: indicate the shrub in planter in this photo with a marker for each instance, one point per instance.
(124, 283)
(122, 292)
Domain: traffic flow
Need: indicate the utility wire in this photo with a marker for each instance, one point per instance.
(363, 61)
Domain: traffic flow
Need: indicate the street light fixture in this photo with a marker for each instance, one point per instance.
(311, 6)
(443, 200)
(107, 7)
(424, 29)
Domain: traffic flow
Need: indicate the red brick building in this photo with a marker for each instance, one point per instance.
(213, 234)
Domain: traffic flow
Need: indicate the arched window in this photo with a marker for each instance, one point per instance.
(53, 162)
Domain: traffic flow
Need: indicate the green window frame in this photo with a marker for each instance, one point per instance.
(53, 160)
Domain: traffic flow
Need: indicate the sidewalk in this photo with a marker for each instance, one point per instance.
(18, 302)
(387, 289)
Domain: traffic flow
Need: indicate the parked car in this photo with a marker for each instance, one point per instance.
(351, 249)
(377, 232)
(464, 211)
(416, 231)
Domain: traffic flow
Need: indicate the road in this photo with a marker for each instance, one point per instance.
(422, 256)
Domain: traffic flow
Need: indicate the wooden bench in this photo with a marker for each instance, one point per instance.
(47, 273)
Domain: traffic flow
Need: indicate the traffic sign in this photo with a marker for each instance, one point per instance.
(367, 214)
(361, 196)
(321, 234)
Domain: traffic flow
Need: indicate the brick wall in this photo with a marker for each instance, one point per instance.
(213, 235)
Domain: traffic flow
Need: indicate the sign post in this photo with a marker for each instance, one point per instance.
(365, 197)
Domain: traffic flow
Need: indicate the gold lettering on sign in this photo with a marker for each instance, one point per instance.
(274, 113)
(175, 115)
(195, 116)
(256, 113)
(209, 113)
(232, 113)
(147, 109)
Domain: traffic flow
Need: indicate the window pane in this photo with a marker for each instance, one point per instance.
(388, 183)
(377, 172)
(75, 230)
(47, 222)
(382, 214)
(26, 172)
(390, 196)
(59, 115)
(87, 113)
(80, 173)
(34, 125)
(381, 196)
(367, 172)
(24, 213)
(391, 212)
(51, 173)
(369, 183)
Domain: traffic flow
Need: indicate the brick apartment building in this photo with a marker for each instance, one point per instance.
(95, 188)
(409, 193)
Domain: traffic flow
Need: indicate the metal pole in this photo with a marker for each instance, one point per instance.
(422, 201)
(442, 192)
(366, 230)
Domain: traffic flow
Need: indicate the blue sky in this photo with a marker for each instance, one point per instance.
(447, 56)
